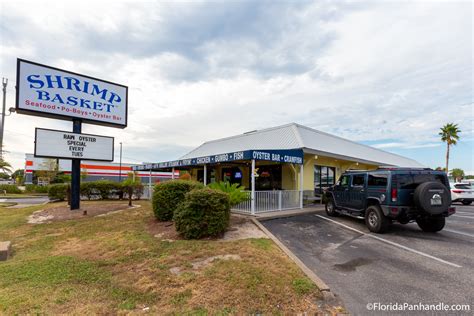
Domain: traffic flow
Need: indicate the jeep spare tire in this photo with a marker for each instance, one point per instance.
(432, 197)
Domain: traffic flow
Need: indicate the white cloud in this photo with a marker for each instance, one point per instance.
(391, 73)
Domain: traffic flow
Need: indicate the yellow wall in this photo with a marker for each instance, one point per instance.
(341, 165)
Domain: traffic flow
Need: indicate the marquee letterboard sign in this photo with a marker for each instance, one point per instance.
(56, 93)
(66, 145)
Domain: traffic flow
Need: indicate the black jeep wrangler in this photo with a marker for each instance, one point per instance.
(393, 194)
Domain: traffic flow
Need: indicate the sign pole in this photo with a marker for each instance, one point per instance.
(76, 172)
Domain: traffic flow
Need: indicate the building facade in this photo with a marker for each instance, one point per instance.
(278, 164)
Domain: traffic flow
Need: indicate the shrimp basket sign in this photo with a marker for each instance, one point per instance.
(58, 144)
(55, 93)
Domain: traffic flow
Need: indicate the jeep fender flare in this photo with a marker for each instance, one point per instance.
(330, 195)
(377, 201)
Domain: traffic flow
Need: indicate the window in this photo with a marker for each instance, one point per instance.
(411, 181)
(358, 180)
(462, 186)
(344, 181)
(323, 178)
(377, 180)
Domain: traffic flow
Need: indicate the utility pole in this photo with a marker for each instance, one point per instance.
(120, 165)
(4, 83)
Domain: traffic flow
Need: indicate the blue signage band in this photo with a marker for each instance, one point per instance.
(294, 156)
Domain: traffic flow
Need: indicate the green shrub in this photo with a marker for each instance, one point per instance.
(88, 190)
(204, 212)
(58, 191)
(10, 188)
(105, 188)
(33, 188)
(236, 192)
(167, 195)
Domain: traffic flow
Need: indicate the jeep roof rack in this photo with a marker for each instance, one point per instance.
(400, 168)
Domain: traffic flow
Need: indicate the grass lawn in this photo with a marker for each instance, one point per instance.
(114, 264)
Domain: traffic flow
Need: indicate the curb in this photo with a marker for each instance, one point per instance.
(323, 287)
(266, 218)
(22, 197)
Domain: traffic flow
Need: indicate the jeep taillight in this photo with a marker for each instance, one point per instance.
(394, 195)
(457, 191)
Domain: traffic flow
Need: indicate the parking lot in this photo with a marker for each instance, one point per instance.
(404, 265)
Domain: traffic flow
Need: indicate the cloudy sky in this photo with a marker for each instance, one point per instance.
(387, 74)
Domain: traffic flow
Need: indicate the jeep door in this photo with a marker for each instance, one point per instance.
(341, 190)
(357, 192)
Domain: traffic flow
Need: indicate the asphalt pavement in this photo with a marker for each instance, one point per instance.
(404, 266)
(27, 201)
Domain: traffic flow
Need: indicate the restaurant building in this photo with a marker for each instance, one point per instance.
(282, 167)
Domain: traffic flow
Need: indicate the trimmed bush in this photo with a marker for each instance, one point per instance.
(204, 212)
(167, 195)
(33, 188)
(105, 188)
(10, 188)
(88, 190)
(58, 191)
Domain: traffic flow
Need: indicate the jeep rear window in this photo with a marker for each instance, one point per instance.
(377, 180)
(411, 181)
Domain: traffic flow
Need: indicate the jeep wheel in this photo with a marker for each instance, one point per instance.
(431, 225)
(466, 202)
(375, 220)
(331, 208)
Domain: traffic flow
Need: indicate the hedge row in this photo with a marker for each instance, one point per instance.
(10, 189)
(34, 188)
(102, 189)
(197, 211)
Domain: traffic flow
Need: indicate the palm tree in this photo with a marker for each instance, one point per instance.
(5, 166)
(449, 134)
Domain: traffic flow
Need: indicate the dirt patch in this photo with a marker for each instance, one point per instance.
(63, 213)
(200, 264)
(240, 227)
(163, 230)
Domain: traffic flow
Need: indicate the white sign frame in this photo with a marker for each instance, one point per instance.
(72, 96)
(52, 152)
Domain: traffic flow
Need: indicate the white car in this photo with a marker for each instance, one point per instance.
(462, 192)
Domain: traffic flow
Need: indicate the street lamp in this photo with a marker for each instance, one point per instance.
(120, 165)
(4, 83)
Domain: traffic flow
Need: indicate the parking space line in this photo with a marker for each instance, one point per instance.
(391, 242)
(458, 232)
(463, 216)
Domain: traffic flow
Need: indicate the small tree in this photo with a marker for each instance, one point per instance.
(449, 134)
(132, 185)
(18, 176)
(5, 167)
(457, 174)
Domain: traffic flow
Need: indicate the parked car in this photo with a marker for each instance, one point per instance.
(392, 194)
(462, 192)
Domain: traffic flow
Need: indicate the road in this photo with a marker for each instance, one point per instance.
(405, 265)
(28, 201)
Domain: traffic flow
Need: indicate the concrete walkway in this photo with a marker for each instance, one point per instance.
(289, 213)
